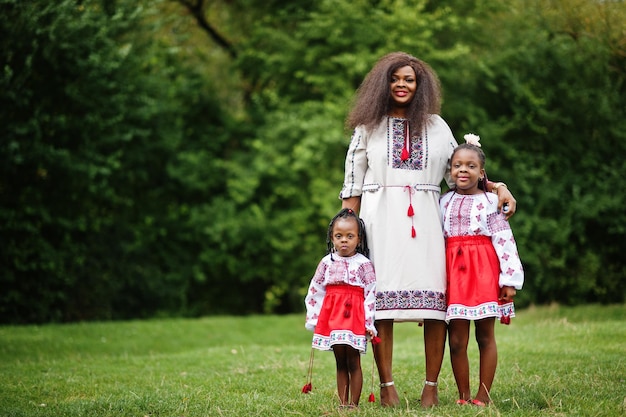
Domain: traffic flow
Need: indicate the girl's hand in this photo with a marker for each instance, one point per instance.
(507, 293)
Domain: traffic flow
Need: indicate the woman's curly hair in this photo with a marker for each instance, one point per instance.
(373, 99)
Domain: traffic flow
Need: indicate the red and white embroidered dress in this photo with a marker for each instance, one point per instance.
(340, 302)
(481, 257)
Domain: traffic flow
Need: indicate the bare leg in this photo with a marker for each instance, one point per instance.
(383, 353)
(356, 375)
(343, 376)
(485, 336)
(459, 338)
(434, 346)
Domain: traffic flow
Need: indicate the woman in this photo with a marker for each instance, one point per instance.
(398, 156)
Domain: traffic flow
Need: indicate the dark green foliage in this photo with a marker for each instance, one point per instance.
(549, 100)
(143, 171)
(95, 121)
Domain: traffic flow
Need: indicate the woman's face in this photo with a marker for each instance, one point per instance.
(403, 86)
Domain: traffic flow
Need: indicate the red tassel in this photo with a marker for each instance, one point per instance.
(375, 340)
(405, 154)
(308, 386)
(413, 231)
(410, 212)
(505, 320)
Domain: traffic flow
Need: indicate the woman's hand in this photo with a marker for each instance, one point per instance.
(505, 197)
(353, 203)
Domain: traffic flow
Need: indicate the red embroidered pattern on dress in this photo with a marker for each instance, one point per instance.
(460, 215)
(411, 300)
(366, 271)
(337, 272)
(497, 223)
(418, 150)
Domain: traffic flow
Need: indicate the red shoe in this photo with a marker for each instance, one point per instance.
(462, 402)
(478, 403)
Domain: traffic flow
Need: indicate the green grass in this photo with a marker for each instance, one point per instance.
(553, 361)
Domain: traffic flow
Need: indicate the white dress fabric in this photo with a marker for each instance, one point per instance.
(335, 272)
(410, 271)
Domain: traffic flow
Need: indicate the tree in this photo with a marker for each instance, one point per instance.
(301, 70)
(94, 121)
(544, 85)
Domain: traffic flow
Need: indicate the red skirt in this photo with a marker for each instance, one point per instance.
(342, 319)
(473, 273)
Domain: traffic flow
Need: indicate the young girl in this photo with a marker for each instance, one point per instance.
(483, 268)
(341, 301)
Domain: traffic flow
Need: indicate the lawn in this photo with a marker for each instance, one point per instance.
(553, 361)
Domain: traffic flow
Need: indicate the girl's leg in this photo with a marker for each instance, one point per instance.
(356, 374)
(485, 336)
(383, 353)
(434, 347)
(459, 337)
(343, 376)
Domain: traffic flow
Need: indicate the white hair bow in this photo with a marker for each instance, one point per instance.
(472, 139)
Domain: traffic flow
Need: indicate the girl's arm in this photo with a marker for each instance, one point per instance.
(315, 297)
(368, 278)
(511, 270)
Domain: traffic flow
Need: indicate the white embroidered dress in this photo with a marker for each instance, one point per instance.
(410, 271)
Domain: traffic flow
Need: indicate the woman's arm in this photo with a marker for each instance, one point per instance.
(355, 169)
(353, 203)
(504, 197)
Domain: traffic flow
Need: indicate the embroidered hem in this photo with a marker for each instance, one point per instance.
(410, 300)
(339, 338)
(491, 309)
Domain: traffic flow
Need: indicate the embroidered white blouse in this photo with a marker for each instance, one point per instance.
(477, 214)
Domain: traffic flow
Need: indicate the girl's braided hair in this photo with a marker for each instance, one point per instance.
(348, 213)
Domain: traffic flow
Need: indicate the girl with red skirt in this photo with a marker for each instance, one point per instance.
(341, 302)
(483, 269)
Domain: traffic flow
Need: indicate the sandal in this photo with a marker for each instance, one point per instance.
(479, 403)
(462, 402)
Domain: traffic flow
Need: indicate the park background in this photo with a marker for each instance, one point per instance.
(182, 158)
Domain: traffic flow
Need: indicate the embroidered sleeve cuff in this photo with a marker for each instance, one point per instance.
(350, 192)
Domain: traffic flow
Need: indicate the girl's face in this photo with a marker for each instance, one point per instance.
(403, 85)
(345, 236)
(466, 169)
